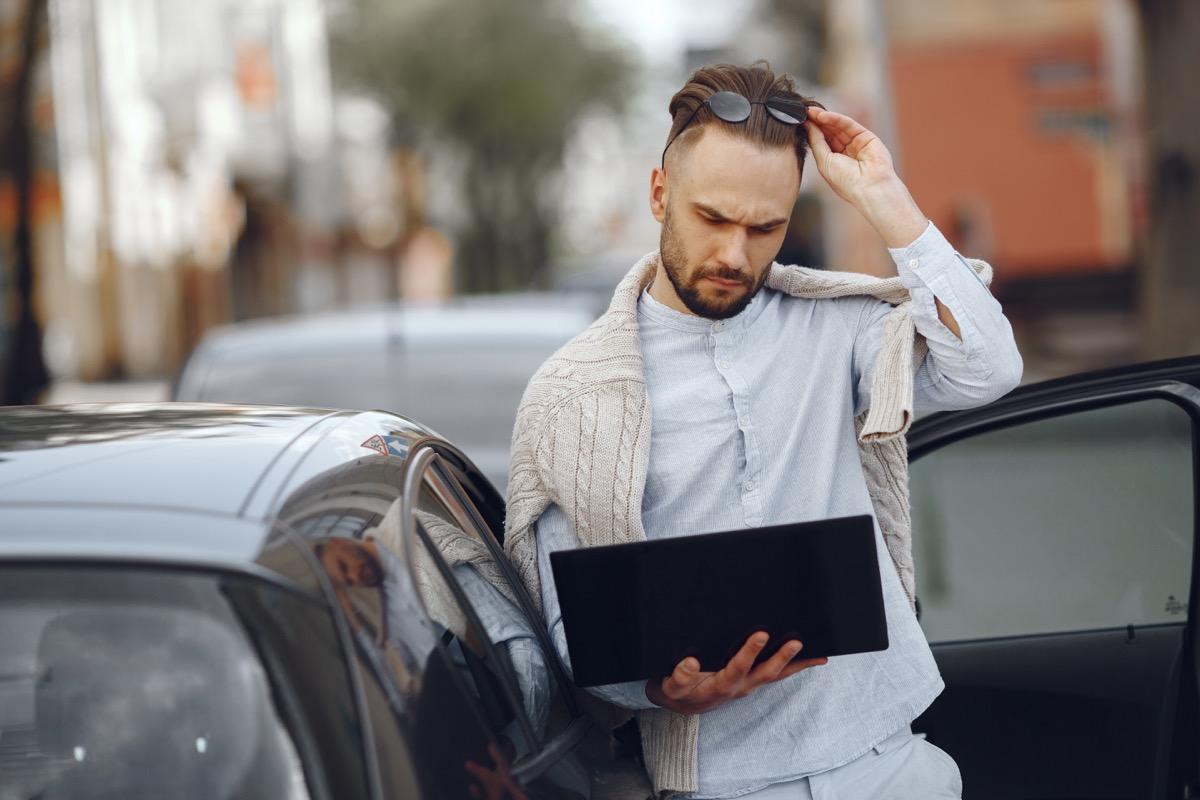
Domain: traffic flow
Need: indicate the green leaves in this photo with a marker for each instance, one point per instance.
(500, 81)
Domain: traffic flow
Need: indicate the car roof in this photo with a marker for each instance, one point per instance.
(509, 319)
(177, 481)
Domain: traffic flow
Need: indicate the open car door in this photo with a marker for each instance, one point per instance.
(1054, 539)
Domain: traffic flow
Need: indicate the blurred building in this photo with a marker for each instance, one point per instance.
(193, 166)
(1017, 127)
(1015, 124)
(186, 135)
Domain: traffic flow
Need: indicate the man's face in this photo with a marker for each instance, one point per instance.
(724, 209)
(351, 562)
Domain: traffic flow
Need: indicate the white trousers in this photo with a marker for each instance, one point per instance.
(902, 767)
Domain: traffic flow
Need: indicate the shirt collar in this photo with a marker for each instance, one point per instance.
(665, 315)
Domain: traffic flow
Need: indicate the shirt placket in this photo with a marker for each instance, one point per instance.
(726, 353)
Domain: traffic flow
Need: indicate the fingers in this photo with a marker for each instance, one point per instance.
(823, 136)
(799, 666)
(844, 134)
(769, 670)
(683, 678)
(816, 141)
(845, 128)
(739, 666)
(836, 137)
(737, 678)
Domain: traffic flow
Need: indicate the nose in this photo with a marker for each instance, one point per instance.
(734, 250)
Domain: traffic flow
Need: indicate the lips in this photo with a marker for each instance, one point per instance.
(723, 283)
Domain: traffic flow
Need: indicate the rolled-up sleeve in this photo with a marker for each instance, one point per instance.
(553, 532)
(982, 366)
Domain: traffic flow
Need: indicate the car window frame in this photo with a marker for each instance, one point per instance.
(947, 429)
(495, 546)
(425, 459)
(486, 500)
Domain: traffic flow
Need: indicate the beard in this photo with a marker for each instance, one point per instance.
(717, 303)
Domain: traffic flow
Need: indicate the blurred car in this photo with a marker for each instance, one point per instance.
(203, 601)
(351, 565)
(460, 366)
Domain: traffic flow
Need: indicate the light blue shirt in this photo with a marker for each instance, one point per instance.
(752, 423)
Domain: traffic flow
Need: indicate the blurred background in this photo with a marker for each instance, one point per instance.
(408, 204)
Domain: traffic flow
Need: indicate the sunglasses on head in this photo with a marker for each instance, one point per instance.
(733, 107)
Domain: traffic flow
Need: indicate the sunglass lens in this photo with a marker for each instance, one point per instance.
(784, 117)
(729, 106)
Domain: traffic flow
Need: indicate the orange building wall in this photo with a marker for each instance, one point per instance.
(967, 118)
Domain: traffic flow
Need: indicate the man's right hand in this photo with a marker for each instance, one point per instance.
(687, 690)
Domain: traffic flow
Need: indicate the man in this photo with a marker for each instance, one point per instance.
(721, 391)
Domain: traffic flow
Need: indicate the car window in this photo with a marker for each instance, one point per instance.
(1075, 522)
(427, 724)
(451, 554)
(390, 667)
(133, 683)
(391, 643)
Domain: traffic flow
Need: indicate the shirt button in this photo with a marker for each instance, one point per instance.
(723, 364)
(912, 262)
(748, 486)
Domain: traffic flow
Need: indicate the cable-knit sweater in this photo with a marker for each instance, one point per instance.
(582, 441)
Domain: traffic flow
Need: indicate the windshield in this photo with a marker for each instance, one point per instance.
(134, 684)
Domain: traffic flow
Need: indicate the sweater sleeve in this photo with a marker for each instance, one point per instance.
(956, 373)
(553, 532)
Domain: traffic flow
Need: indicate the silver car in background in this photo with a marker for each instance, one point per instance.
(459, 366)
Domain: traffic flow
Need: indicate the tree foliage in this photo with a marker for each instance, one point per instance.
(499, 84)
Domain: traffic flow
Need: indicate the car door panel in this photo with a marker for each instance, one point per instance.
(1077, 715)
(1064, 655)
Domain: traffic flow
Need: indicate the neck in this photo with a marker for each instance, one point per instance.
(662, 290)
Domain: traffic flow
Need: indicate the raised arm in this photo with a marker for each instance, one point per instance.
(973, 357)
(969, 367)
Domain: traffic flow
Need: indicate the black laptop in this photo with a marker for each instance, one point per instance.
(634, 611)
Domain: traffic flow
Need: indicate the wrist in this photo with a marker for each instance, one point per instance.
(892, 212)
(654, 693)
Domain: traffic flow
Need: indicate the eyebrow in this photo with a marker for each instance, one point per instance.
(717, 215)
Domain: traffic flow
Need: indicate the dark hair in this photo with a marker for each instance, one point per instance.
(756, 83)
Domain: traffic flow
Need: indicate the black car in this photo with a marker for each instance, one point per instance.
(250, 602)
(327, 591)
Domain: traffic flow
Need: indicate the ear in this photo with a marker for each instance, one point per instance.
(658, 193)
